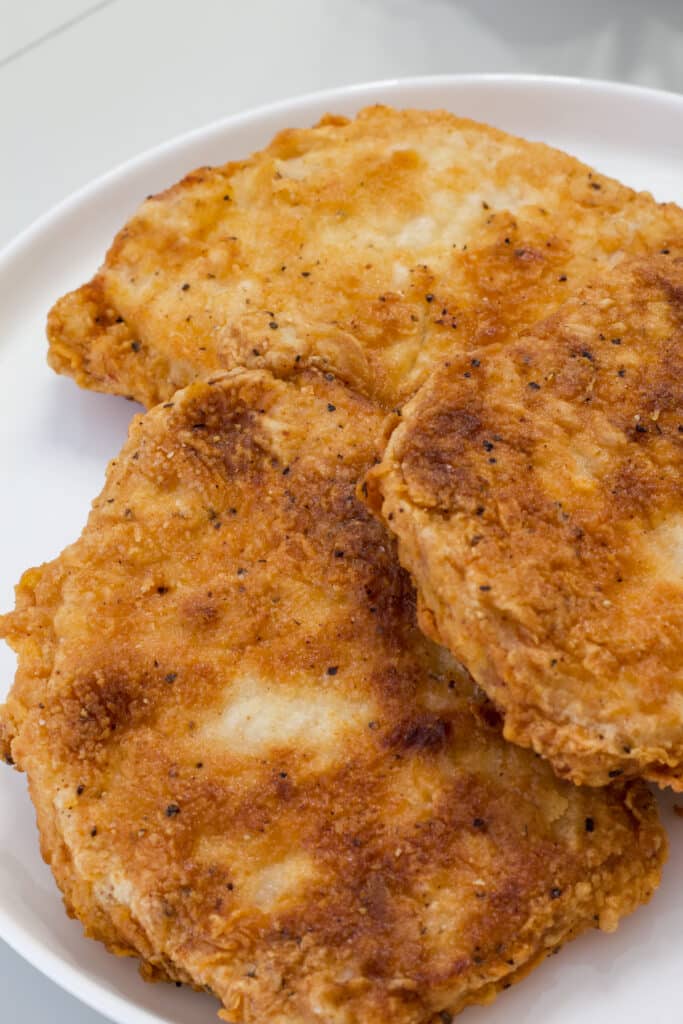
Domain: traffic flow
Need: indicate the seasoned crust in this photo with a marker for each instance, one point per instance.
(374, 246)
(248, 758)
(535, 489)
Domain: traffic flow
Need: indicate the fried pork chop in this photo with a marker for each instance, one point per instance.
(249, 766)
(535, 489)
(369, 248)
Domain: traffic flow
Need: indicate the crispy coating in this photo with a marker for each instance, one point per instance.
(535, 489)
(251, 768)
(369, 248)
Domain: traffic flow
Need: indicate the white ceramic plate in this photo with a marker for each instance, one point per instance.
(55, 442)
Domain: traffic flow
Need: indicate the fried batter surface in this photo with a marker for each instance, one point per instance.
(250, 767)
(535, 489)
(369, 248)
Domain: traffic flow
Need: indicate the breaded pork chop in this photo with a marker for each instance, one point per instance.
(249, 765)
(369, 248)
(536, 491)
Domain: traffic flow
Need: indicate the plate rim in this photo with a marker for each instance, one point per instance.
(33, 948)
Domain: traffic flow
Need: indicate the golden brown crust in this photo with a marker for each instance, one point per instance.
(254, 769)
(535, 489)
(368, 248)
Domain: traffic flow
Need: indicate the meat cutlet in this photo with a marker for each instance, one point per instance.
(369, 248)
(535, 490)
(249, 766)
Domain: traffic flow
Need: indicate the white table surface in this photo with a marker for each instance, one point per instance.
(84, 85)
